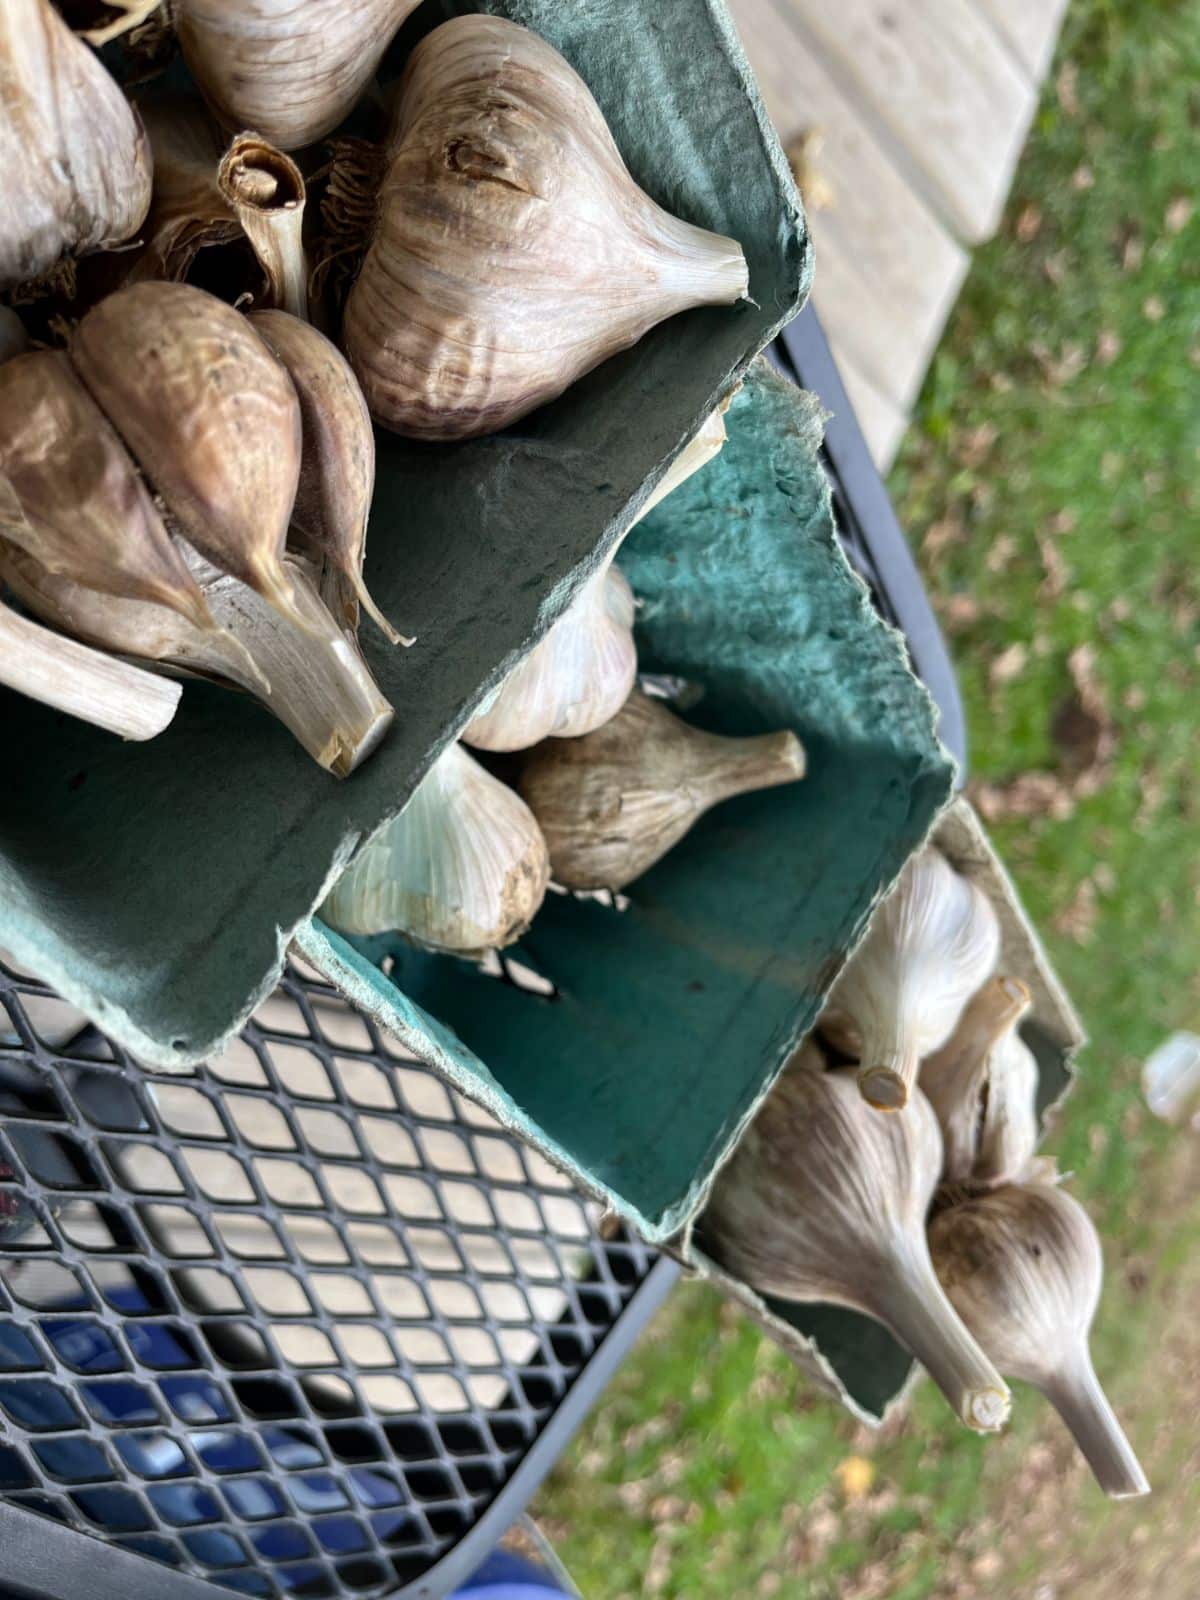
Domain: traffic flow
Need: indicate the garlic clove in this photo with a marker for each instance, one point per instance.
(931, 944)
(513, 251)
(824, 1201)
(613, 802)
(579, 676)
(291, 71)
(975, 1081)
(85, 683)
(210, 416)
(74, 155)
(188, 212)
(1023, 1267)
(265, 190)
(74, 500)
(308, 673)
(337, 463)
(574, 680)
(462, 869)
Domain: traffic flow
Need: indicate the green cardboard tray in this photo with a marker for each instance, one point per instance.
(673, 1016)
(158, 886)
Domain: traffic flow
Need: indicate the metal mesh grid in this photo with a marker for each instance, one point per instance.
(287, 1321)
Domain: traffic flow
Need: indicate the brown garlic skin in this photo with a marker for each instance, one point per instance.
(513, 251)
(337, 463)
(209, 415)
(188, 212)
(825, 1201)
(1022, 1266)
(614, 801)
(74, 155)
(982, 1085)
(292, 71)
(74, 500)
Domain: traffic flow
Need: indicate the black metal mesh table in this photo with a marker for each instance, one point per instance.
(299, 1322)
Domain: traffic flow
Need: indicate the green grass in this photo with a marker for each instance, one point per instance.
(1049, 484)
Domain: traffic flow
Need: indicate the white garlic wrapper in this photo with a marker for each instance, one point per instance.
(463, 868)
(931, 944)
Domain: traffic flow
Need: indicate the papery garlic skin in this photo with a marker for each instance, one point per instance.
(209, 415)
(824, 1201)
(513, 251)
(74, 155)
(188, 212)
(1022, 1265)
(931, 944)
(574, 680)
(462, 869)
(291, 70)
(613, 802)
(306, 671)
(982, 1085)
(337, 463)
(71, 497)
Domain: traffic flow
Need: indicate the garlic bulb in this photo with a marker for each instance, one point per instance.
(265, 190)
(337, 463)
(208, 414)
(1023, 1267)
(513, 252)
(306, 671)
(825, 1201)
(982, 1085)
(580, 675)
(462, 869)
(84, 683)
(71, 497)
(75, 158)
(613, 802)
(931, 944)
(575, 679)
(291, 71)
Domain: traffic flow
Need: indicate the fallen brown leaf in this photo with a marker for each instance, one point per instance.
(1108, 347)
(1065, 86)
(1028, 223)
(1009, 664)
(1077, 919)
(1178, 214)
(804, 157)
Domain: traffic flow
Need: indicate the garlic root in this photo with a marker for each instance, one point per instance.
(84, 683)
(930, 945)
(265, 190)
(613, 802)
(1022, 1266)
(513, 251)
(824, 1201)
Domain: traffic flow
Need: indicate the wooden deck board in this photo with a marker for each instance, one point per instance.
(940, 86)
(1030, 27)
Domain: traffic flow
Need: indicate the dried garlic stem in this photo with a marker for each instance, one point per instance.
(266, 190)
(923, 1319)
(1082, 1404)
(84, 683)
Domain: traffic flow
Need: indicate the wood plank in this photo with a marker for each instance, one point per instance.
(881, 420)
(1030, 27)
(887, 270)
(945, 94)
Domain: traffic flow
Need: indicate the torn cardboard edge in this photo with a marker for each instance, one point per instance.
(960, 836)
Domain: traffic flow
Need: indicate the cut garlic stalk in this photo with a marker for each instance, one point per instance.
(265, 190)
(84, 683)
(71, 497)
(210, 416)
(462, 869)
(823, 1201)
(982, 1085)
(579, 676)
(292, 71)
(613, 802)
(337, 464)
(931, 944)
(1022, 1265)
(307, 672)
(74, 155)
(513, 251)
